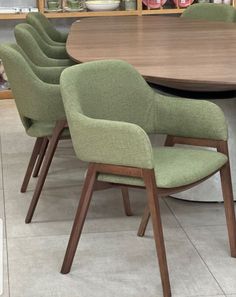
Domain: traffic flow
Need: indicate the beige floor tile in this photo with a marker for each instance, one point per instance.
(24, 143)
(5, 272)
(65, 169)
(9, 118)
(196, 213)
(106, 264)
(14, 168)
(56, 210)
(212, 244)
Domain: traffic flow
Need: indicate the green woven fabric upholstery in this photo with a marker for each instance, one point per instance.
(110, 111)
(210, 12)
(52, 51)
(175, 167)
(190, 118)
(46, 29)
(49, 75)
(30, 46)
(39, 103)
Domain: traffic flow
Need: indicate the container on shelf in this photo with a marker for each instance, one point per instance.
(183, 3)
(10, 10)
(102, 5)
(130, 4)
(53, 6)
(73, 5)
(154, 4)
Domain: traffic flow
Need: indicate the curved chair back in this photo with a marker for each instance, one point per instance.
(118, 93)
(46, 29)
(28, 43)
(210, 12)
(49, 75)
(35, 99)
(52, 51)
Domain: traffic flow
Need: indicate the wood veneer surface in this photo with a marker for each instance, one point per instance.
(171, 51)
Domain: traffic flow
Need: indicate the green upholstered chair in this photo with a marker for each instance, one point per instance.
(210, 12)
(32, 49)
(46, 29)
(39, 103)
(40, 108)
(110, 111)
(51, 51)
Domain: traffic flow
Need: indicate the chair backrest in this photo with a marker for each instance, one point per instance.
(35, 99)
(210, 12)
(109, 90)
(26, 40)
(47, 74)
(51, 51)
(45, 28)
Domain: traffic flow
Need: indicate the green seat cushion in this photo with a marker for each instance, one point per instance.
(175, 167)
(42, 129)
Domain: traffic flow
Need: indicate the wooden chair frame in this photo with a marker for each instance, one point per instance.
(43, 152)
(153, 193)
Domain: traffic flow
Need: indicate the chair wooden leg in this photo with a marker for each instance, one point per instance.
(153, 203)
(126, 201)
(227, 190)
(45, 167)
(79, 220)
(144, 222)
(41, 156)
(146, 215)
(33, 158)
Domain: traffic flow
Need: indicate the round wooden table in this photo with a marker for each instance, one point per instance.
(174, 52)
(171, 51)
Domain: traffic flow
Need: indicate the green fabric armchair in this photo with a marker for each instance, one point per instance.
(46, 29)
(52, 51)
(110, 111)
(39, 103)
(210, 12)
(32, 49)
(41, 110)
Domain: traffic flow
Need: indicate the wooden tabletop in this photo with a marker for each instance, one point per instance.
(171, 51)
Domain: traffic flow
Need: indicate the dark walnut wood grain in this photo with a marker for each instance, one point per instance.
(171, 51)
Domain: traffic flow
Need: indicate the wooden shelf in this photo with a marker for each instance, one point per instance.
(59, 15)
(162, 11)
(7, 94)
(140, 11)
(12, 16)
(90, 14)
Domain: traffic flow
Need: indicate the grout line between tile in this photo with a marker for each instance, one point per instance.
(5, 219)
(185, 232)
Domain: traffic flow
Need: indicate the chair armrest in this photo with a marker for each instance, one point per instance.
(110, 142)
(190, 118)
(42, 101)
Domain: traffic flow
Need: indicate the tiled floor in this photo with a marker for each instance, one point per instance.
(111, 259)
